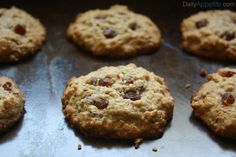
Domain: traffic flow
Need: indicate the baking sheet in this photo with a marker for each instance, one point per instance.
(44, 133)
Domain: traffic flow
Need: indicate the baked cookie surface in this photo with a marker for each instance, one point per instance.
(11, 103)
(20, 34)
(116, 32)
(123, 102)
(214, 103)
(211, 34)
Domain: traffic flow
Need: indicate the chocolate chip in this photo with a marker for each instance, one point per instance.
(201, 23)
(227, 73)
(105, 82)
(20, 29)
(109, 33)
(128, 81)
(7, 86)
(133, 26)
(132, 95)
(100, 103)
(228, 36)
(100, 81)
(227, 99)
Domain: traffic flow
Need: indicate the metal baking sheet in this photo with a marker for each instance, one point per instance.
(44, 133)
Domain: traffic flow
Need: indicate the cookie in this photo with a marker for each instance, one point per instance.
(214, 103)
(11, 103)
(123, 102)
(20, 34)
(211, 34)
(116, 32)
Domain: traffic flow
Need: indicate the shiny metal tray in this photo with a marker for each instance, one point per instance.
(44, 133)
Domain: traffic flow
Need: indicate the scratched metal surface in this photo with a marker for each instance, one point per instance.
(44, 133)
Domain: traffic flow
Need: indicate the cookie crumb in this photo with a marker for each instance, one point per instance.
(203, 72)
(79, 147)
(154, 149)
(138, 142)
(187, 85)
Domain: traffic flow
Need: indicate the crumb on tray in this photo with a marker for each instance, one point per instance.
(203, 72)
(137, 143)
(79, 147)
(154, 149)
(187, 85)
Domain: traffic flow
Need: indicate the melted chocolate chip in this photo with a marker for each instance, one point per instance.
(228, 36)
(7, 86)
(133, 26)
(227, 99)
(100, 103)
(132, 95)
(20, 29)
(109, 33)
(227, 73)
(201, 23)
(100, 81)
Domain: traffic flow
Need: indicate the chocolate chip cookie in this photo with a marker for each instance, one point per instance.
(123, 102)
(211, 34)
(116, 32)
(11, 103)
(20, 34)
(214, 103)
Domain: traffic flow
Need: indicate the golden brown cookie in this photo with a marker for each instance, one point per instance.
(211, 34)
(214, 103)
(11, 103)
(123, 102)
(115, 32)
(20, 34)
